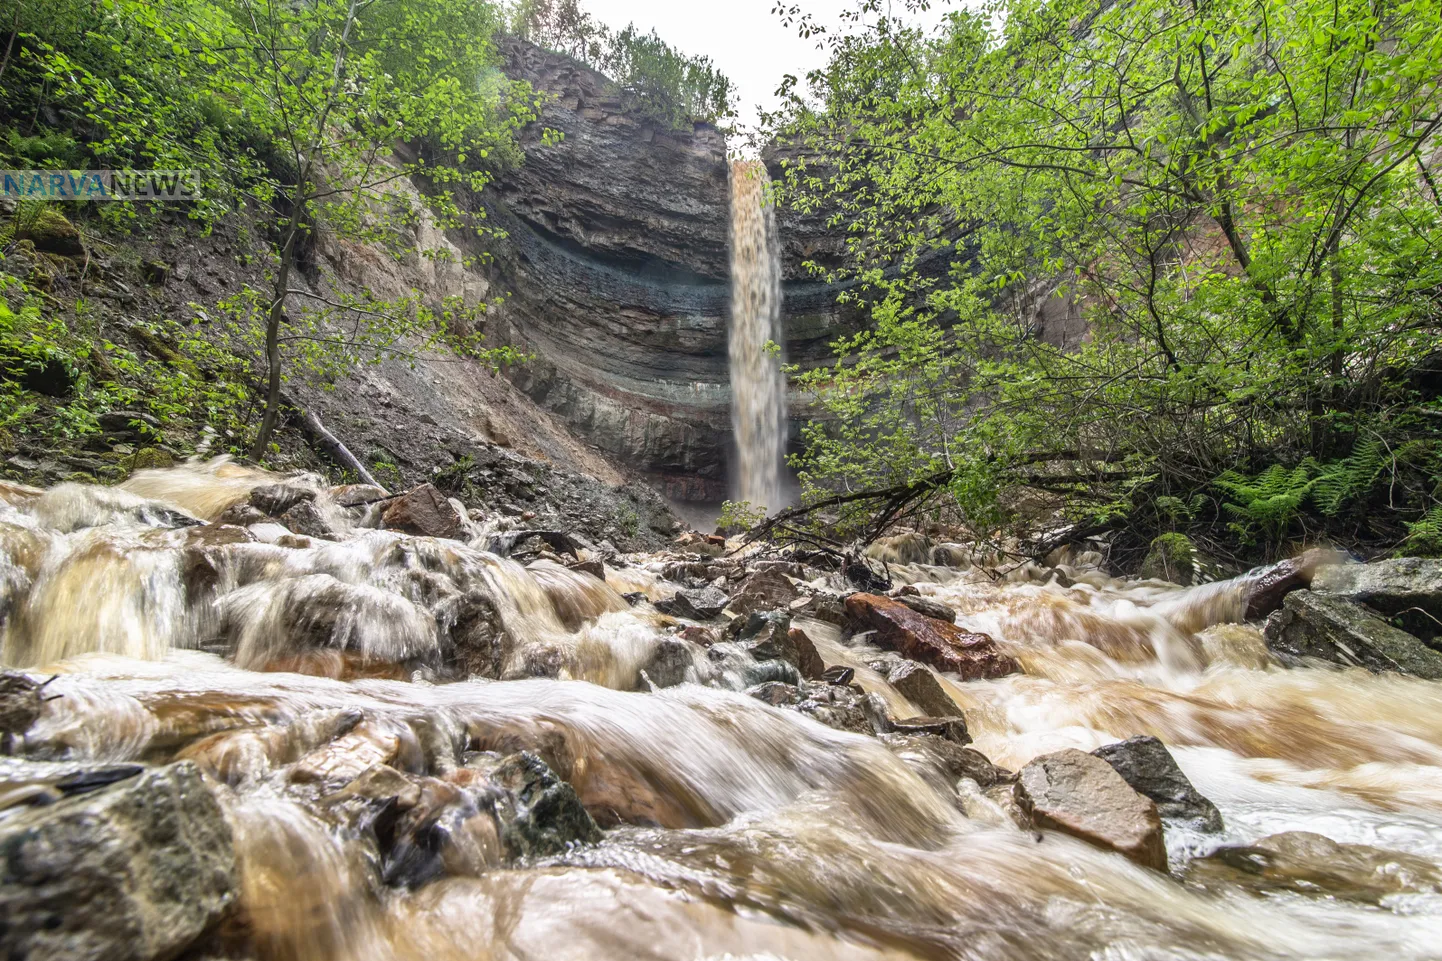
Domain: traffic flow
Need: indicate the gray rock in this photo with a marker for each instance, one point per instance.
(953, 760)
(698, 605)
(1081, 795)
(1310, 864)
(1408, 588)
(541, 815)
(276, 499)
(952, 729)
(1146, 764)
(669, 663)
(424, 511)
(764, 591)
(766, 636)
(305, 518)
(1334, 629)
(919, 685)
(929, 607)
(21, 702)
(136, 872)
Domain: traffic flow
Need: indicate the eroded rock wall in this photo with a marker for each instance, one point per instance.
(616, 257)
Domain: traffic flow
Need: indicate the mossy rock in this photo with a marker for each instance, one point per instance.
(1171, 558)
(147, 458)
(51, 233)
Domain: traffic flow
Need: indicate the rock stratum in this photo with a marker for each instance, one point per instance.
(616, 256)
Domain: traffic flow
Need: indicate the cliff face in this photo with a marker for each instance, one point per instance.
(617, 261)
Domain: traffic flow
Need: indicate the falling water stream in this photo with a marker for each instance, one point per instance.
(733, 829)
(758, 388)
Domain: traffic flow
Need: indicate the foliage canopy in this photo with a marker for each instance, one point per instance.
(1112, 252)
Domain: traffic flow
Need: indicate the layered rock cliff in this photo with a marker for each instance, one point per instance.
(616, 257)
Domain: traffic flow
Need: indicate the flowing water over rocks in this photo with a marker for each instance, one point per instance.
(367, 744)
(758, 388)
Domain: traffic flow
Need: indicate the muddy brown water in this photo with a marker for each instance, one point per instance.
(734, 829)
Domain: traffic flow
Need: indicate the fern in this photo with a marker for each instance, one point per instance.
(1354, 476)
(1424, 537)
(1271, 500)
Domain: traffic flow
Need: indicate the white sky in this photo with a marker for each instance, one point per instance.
(746, 41)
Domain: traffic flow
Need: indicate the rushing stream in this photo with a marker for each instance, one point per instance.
(758, 389)
(285, 666)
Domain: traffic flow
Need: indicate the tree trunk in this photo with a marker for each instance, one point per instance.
(272, 334)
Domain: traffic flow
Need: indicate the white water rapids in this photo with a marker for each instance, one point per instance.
(733, 829)
(758, 387)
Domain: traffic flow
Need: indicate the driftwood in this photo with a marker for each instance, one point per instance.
(316, 433)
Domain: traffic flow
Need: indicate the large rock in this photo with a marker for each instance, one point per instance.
(766, 636)
(764, 591)
(1408, 588)
(541, 814)
(808, 659)
(1267, 587)
(696, 605)
(424, 511)
(1146, 764)
(922, 688)
(1171, 558)
(1311, 864)
(1329, 628)
(136, 872)
(1081, 795)
(943, 646)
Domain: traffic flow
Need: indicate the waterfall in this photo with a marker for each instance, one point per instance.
(758, 388)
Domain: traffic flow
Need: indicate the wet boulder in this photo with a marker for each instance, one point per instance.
(827, 608)
(349, 756)
(929, 607)
(357, 495)
(765, 635)
(274, 500)
(1334, 629)
(766, 590)
(425, 512)
(138, 871)
(594, 567)
(776, 693)
(669, 663)
(696, 605)
(479, 644)
(1146, 764)
(541, 814)
(844, 709)
(1267, 587)
(1082, 795)
(808, 659)
(306, 519)
(1301, 862)
(943, 646)
(951, 760)
(1408, 589)
(921, 687)
(952, 729)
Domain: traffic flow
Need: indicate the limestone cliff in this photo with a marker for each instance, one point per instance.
(617, 262)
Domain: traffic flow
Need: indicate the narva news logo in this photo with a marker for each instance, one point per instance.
(100, 184)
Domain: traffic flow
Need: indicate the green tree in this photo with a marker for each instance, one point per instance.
(657, 80)
(1236, 196)
(354, 118)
